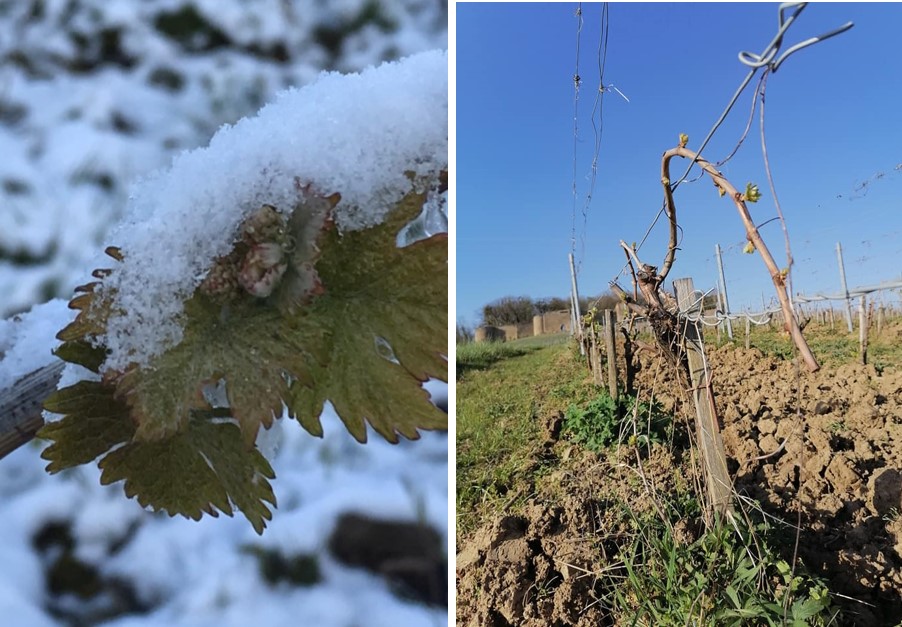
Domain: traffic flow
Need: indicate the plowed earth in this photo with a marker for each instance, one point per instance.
(838, 475)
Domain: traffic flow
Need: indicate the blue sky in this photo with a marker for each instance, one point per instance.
(833, 128)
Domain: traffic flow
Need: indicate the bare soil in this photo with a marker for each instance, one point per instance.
(838, 476)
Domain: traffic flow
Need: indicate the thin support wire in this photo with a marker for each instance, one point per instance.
(712, 320)
(773, 191)
(576, 82)
(745, 132)
(597, 128)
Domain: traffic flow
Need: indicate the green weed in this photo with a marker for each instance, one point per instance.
(602, 422)
(595, 425)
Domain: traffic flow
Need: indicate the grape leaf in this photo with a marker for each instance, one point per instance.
(297, 314)
(81, 353)
(94, 423)
(370, 290)
(375, 297)
(193, 472)
(201, 468)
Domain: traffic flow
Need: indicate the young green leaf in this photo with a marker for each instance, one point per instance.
(94, 423)
(752, 194)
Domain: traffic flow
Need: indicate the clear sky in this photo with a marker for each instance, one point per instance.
(833, 123)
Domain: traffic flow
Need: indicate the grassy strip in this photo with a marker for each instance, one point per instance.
(481, 355)
(498, 412)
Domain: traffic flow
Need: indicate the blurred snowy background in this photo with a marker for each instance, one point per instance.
(95, 94)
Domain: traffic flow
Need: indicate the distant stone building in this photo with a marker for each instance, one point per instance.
(517, 331)
(549, 323)
(488, 334)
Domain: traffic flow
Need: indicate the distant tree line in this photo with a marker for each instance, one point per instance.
(521, 309)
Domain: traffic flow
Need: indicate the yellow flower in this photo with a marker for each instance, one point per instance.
(684, 139)
(749, 248)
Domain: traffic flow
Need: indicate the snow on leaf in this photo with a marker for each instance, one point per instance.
(352, 318)
(88, 322)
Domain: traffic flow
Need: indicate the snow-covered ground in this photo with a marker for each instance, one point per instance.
(211, 572)
(94, 95)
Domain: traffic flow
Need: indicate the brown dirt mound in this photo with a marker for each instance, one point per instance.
(539, 567)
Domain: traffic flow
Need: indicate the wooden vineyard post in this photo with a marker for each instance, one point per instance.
(597, 377)
(881, 318)
(710, 442)
(748, 324)
(577, 313)
(591, 355)
(610, 346)
(728, 324)
(845, 287)
(863, 329)
(21, 406)
(630, 374)
(586, 346)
